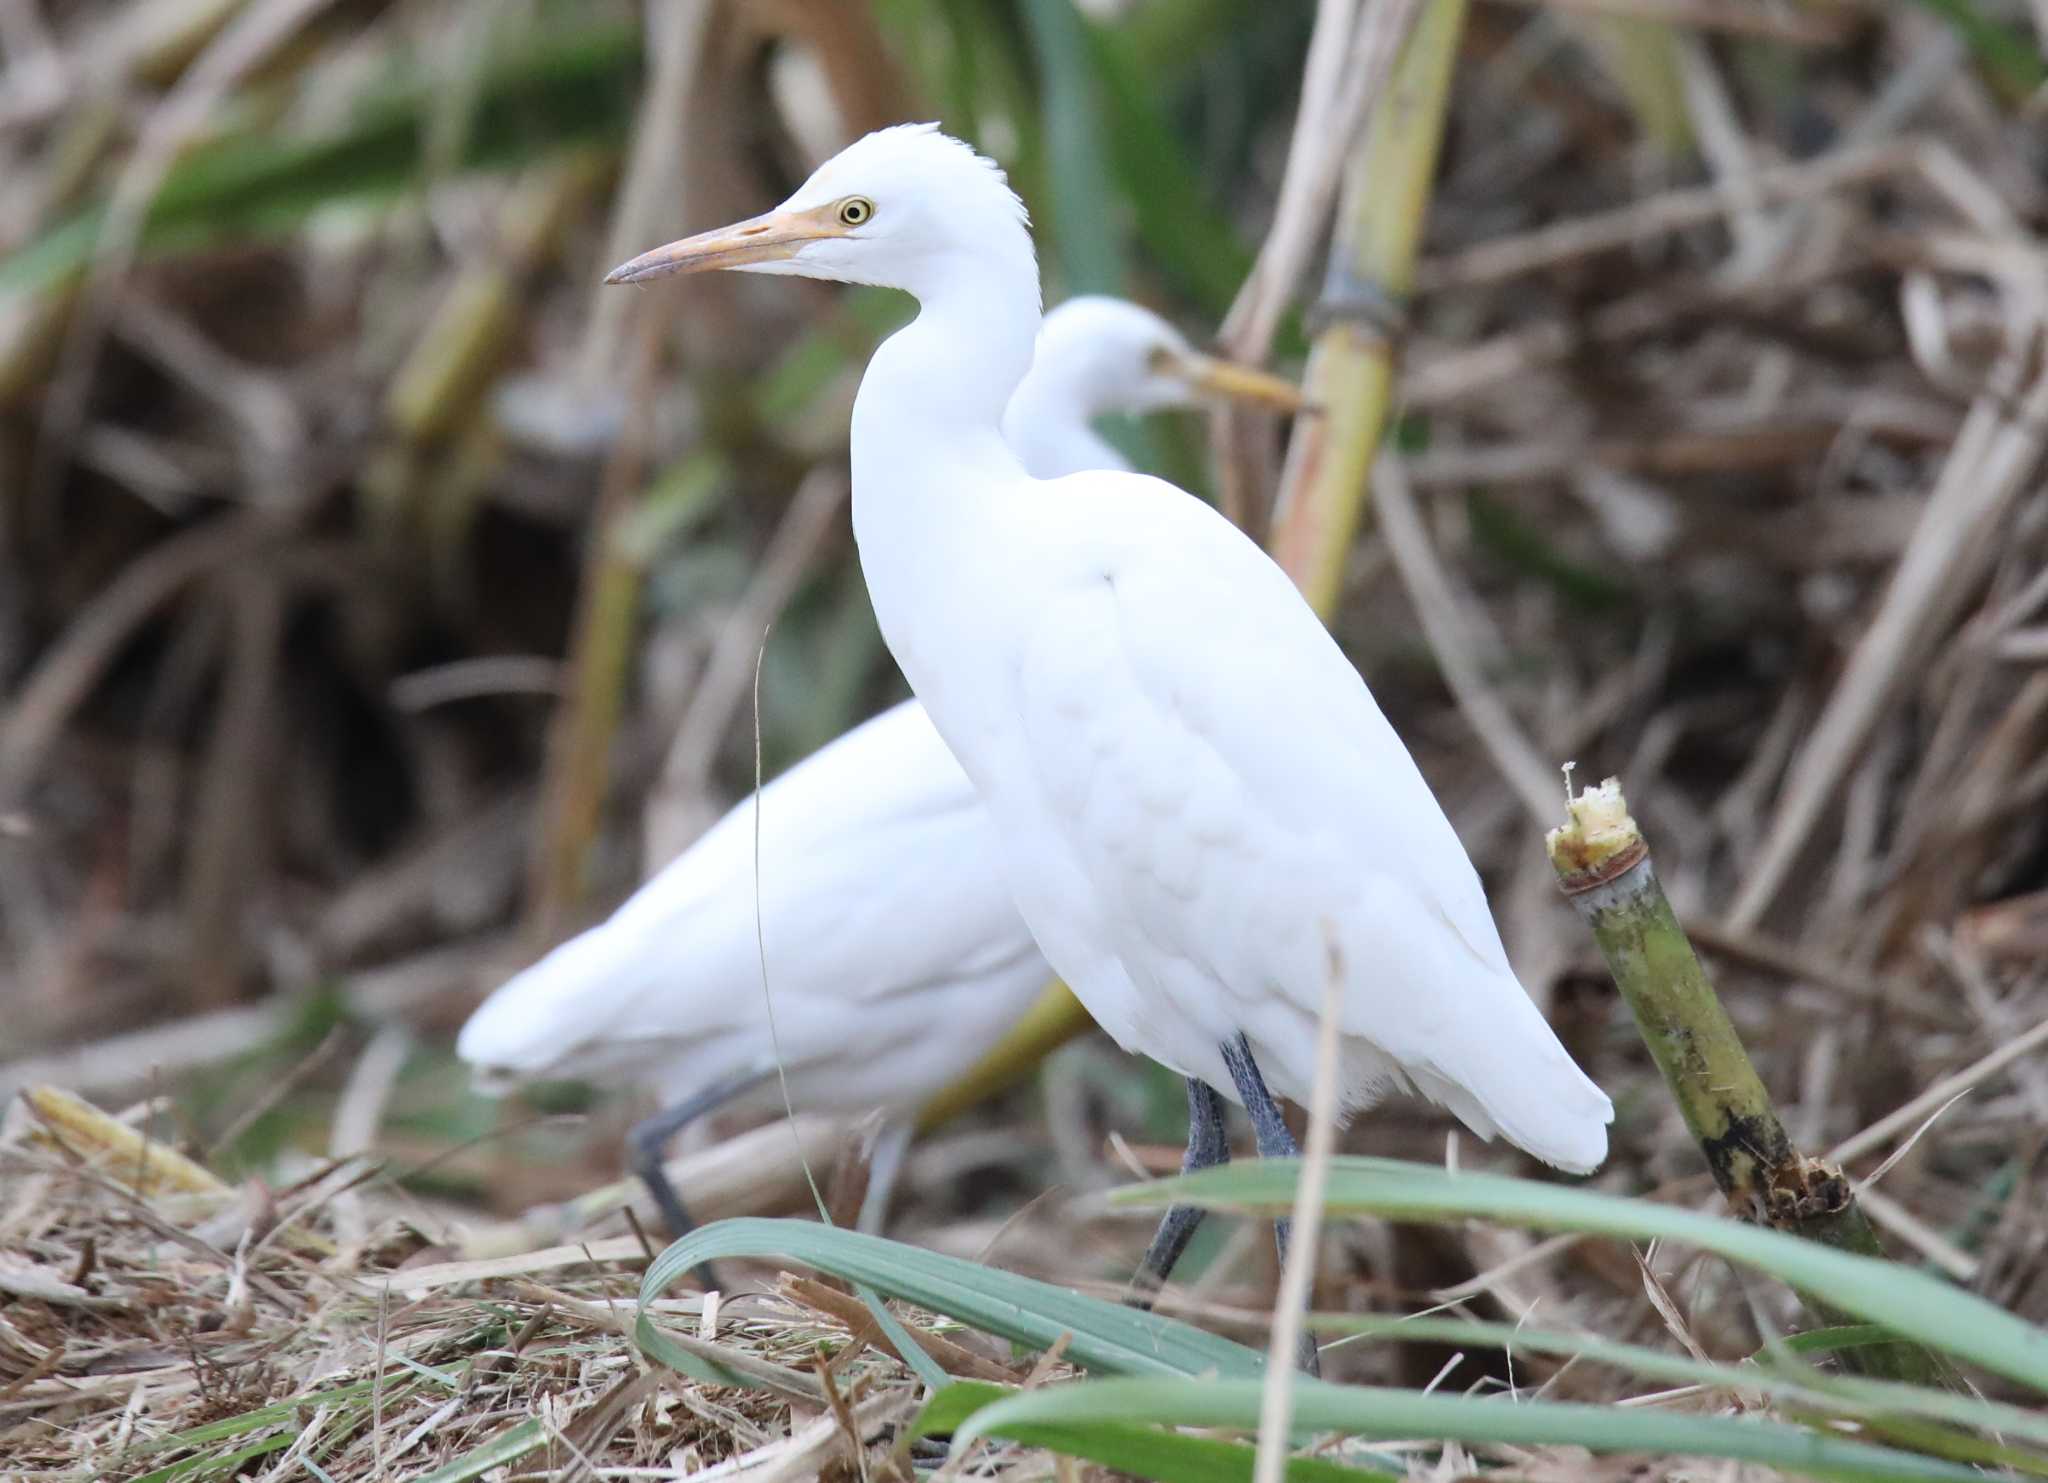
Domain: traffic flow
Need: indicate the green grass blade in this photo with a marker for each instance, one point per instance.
(912, 1352)
(1906, 1301)
(507, 1446)
(278, 1413)
(1374, 1412)
(1176, 216)
(562, 92)
(714, 1364)
(1142, 1451)
(1102, 1335)
(1842, 1336)
(225, 1464)
(1809, 1389)
(1077, 178)
(1635, 1359)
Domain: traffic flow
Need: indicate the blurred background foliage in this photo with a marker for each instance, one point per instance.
(380, 597)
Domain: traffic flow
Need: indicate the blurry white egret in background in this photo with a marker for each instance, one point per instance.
(1096, 355)
(895, 957)
(1194, 790)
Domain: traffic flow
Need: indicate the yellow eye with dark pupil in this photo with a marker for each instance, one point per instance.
(855, 211)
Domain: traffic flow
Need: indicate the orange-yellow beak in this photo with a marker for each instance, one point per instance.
(1226, 378)
(768, 238)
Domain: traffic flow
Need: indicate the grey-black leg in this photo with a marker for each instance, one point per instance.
(1208, 1146)
(1275, 1142)
(644, 1145)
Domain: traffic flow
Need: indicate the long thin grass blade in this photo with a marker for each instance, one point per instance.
(1809, 1390)
(1371, 1411)
(573, 91)
(1143, 1451)
(906, 1345)
(1101, 1335)
(1903, 1300)
(507, 1446)
(1091, 250)
(1170, 201)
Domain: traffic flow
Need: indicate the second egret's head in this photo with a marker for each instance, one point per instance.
(905, 207)
(1116, 356)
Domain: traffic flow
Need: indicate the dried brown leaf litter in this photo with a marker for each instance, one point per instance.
(141, 1331)
(1718, 471)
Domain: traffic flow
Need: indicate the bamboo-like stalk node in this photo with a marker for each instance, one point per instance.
(1603, 863)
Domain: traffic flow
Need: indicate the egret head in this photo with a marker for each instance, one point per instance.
(1118, 357)
(905, 207)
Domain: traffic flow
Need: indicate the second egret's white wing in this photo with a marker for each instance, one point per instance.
(891, 944)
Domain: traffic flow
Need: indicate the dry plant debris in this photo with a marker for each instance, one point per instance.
(1725, 458)
(171, 1334)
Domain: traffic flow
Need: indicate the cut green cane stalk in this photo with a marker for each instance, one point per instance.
(1603, 863)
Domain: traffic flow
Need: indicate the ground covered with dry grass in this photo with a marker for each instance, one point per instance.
(202, 1331)
(160, 1323)
(377, 598)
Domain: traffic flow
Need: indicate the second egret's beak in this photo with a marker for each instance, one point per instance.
(762, 239)
(1227, 378)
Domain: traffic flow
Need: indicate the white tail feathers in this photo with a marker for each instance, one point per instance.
(1523, 1086)
(1561, 1124)
(538, 1021)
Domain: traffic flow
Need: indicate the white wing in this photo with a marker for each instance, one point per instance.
(1213, 784)
(894, 954)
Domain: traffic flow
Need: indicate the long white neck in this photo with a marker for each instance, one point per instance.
(934, 482)
(1047, 424)
(936, 389)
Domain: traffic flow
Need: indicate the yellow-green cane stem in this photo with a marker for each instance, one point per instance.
(1604, 865)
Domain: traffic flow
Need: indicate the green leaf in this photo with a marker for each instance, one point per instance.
(1177, 216)
(507, 1446)
(1906, 1301)
(1808, 1388)
(715, 1364)
(278, 1413)
(226, 1464)
(1840, 1337)
(912, 1352)
(559, 91)
(2006, 53)
(1084, 212)
(1143, 1451)
(1371, 1411)
(1102, 1335)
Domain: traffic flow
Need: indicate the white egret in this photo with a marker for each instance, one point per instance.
(1096, 355)
(1197, 796)
(895, 957)
(892, 954)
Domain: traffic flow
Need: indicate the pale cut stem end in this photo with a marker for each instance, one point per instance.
(1604, 866)
(1598, 839)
